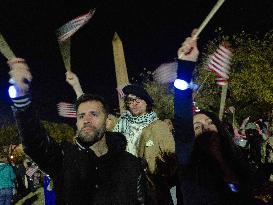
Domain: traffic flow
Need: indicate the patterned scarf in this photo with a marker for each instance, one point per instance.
(131, 127)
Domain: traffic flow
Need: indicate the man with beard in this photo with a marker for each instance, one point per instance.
(95, 169)
(147, 137)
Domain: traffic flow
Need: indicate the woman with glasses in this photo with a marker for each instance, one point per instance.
(150, 139)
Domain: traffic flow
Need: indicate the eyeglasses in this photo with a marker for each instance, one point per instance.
(130, 101)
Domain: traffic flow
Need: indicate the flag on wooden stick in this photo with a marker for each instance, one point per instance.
(66, 31)
(219, 62)
(66, 110)
(71, 27)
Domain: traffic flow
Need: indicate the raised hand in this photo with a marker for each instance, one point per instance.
(73, 80)
(20, 75)
(188, 50)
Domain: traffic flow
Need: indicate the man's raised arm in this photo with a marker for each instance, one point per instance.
(37, 144)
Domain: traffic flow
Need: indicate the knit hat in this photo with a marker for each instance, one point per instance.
(139, 92)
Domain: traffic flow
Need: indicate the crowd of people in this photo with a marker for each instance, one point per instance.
(18, 179)
(139, 158)
(7, 178)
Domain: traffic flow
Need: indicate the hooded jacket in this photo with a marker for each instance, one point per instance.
(79, 176)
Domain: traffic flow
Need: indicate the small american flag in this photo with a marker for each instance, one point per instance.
(219, 63)
(31, 170)
(66, 110)
(166, 73)
(71, 27)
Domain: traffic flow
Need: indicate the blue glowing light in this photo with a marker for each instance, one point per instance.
(12, 91)
(181, 84)
(233, 187)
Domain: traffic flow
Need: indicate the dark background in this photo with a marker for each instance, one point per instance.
(151, 32)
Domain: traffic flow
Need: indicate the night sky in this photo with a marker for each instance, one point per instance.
(151, 32)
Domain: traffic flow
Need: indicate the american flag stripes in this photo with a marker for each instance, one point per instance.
(66, 110)
(31, 170)
(71, 27)
(219, 63)
(166, 73)
(221, 81)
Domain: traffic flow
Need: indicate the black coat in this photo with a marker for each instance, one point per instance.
(79, 176)
(201, 179)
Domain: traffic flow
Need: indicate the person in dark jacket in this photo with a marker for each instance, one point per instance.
(20, 172)
(147, 137)
(211, 172)
(96, 169)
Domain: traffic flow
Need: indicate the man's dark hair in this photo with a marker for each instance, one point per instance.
(91, 97)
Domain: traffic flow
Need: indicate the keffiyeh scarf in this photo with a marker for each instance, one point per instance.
(131, 127)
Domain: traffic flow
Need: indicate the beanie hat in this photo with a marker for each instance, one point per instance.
(138, 91)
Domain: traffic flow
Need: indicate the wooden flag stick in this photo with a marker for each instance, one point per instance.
(207, 19)
(223, 101)
(5, 49)
(65, 51)
(120, 66)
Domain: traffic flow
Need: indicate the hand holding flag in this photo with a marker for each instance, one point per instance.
(73, 80)
(167, 72)
(20, 75)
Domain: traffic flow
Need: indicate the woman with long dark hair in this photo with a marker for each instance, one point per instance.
(211, 169)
